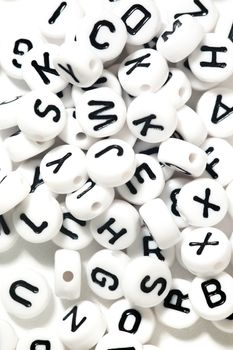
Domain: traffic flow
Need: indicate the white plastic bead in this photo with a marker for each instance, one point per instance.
(211, 298)
(105, 270)
(113, 229)
(178, 246)
(124, 316)
(111, 162)
(13, 188)
(42, 115)
(195, 134)
(101, 112)
(160, 223)
(125, 135)
(65, 96)
(183, 156)
(211, 60)
(139, 72)
(220, 158)
(206, 252)
(38, 70)
(82, 72)
(202, 202)
(226, 325)
(74, 233)
(39, 338)
(147, 182)
(9, 111)
(141, 18)
(229, 192)
(8, 337)
(151, 118)
(8, 236)
(180, 38)
(20, 147)
(118, 340)
(83, 325)
(169, 196)
(145, 245)
(215, 109)
(146, 281)
(150, 347)
(176, 310)
(25, 293)
(5, 163)
(63, 169)
(38, 218)
(67, 274)
(104, 33)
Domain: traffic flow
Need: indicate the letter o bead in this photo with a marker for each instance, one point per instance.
(39, 338)
(146, 281)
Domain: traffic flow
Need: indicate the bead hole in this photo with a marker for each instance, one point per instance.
(193, 157)
(92, 64)
(81, 136)
(181, 92)
(145, 87)
(77, 180)
(68, 276)
(96, 206)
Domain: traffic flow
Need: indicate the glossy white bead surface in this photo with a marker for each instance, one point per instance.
(8, 337)
(39, 338)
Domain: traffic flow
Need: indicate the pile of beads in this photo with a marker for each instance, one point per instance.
(104, 147)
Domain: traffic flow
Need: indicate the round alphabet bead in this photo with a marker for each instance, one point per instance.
(8, 337)
(176, 310)
(82, 324)
(39, 337)
(219, 159)
(145, 245)
(38, 218)
(101, 112)
(182, 156)
(211, 297)
(150, 119)
(38, 70)
(150, 283)
(42, 115)
(215, 109)
(67, 273)
(202, 202)
(82, 72)
(25, 293)
(180, 38)
(211, 60)
(113, 229)
(74, 233)
(142, 188)
(157, 217)
(63, 169)
(8, 236)
(105, 270)
(206, 251)
(120, 340)
(141, 18)
(225, 325)
(111, 162)
(139, 72)
(126, 317)
(13, 188)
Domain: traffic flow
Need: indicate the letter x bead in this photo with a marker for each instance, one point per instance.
(25, 293)
(202, 202)
(39, 338)
(8, 337)
(105, 270)
(205, 251)
(211, 298)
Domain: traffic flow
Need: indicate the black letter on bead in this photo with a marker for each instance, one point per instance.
(4, 226)
(116, 235)
(22, 284)
(39, 343)
(137, 63)
(169, 301)
(173, 198)
(103, 280)
(17, 51)
(203, 10)
(73, 312)
(96, 115)
(69, 70)
(159, 281)
(92, 184)
(213, 63)
(215, 119)
(140, 24)
(59, 162)
(120, 151)
(210, 166)
(147, 124)
(147, 251)
(137, 320)
(36, 229)
(46, 68)
(137, 174)
(49, 108)
(57, 12)
(36, 180)
(202, 245)
(209, 294)
(95, 31)
(175, 25)
(230, 36)
(207, 205)
(65, 231)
